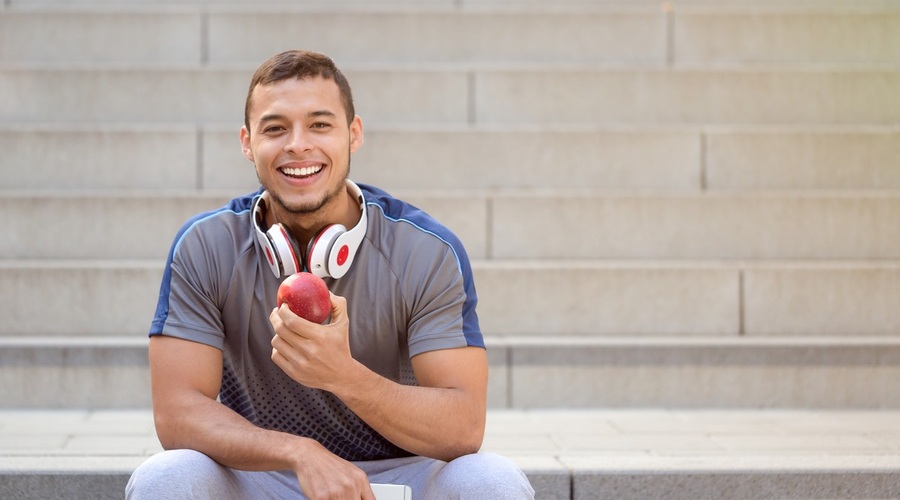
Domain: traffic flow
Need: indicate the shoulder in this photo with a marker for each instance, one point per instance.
(220, 235)
(399, 224)
(223, 223)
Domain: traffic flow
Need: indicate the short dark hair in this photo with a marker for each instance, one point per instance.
(300, 64)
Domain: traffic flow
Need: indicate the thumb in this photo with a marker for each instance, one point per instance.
(338, 308)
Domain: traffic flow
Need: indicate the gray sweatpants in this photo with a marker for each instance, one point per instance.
(187, 474)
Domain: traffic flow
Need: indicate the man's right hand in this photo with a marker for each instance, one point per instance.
(323, 475)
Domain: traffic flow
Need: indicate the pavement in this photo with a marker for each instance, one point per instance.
(555, 447)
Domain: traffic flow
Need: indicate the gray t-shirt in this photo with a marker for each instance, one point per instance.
(409, 291)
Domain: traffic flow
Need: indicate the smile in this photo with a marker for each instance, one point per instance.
(302, 172)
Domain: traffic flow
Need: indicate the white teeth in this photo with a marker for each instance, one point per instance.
(302, 172)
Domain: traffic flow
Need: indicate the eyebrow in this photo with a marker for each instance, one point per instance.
(270, 117)
(312, 114)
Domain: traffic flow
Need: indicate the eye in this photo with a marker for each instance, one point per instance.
(273, 129)
(321, 125)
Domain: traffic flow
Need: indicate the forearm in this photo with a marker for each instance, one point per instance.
(442, 423)
(214, 430)
(207, 426)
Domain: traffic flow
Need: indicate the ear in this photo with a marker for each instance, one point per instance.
(356, 134)
(245, 144)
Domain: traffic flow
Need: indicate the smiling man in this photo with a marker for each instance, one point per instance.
(252, 401)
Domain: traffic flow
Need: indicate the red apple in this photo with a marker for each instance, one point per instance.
(307, 296)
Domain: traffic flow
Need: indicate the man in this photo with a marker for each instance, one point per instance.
(252, 401)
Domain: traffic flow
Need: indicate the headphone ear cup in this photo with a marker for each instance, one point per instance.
(285, 254)
(319, 250)
(271, 255)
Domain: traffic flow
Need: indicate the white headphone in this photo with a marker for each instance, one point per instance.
(330, 252)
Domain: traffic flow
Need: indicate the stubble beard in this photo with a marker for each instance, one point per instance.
(312, 207)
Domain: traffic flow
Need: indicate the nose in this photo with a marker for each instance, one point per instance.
(298, 141)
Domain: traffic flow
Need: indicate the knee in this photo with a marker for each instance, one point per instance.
(482, 476)
(171, 474)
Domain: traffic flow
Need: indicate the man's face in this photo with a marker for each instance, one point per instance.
(300, 142)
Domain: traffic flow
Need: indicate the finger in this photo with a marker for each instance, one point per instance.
(291, 328)
(289, 342)
(290, 363)
(281, 350)
(275, 318)
(338, 308)
(298, 325)
(277, 357)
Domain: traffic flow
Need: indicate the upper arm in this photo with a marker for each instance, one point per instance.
(181, 371)
(464, 368)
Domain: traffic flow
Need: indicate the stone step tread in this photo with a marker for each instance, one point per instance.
(103, 159)
(635, 33)
(840, 372)
(486, 96)
(583, 298)
(90, 439)
(624, 224)
(567, 454)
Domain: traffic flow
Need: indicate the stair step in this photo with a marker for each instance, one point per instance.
(76, 372)
(526, 373)
(523, 298)
(452, 36)
(446, 95)
(142, 225)
(554, 372)
(711, 225)
(798, 159)
(250, 35)
(753, 35)
(568, 454)
(191, 95)
(762, 477)
(118, 225)
(687, 95)
(173, 157)
(562, 224)
(638, 298)
(635, 33)
(101, 35)
(71, 157)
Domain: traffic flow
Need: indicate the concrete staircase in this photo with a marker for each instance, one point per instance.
(680, 205)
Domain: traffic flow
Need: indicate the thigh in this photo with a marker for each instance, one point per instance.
(188, 474)
(480, 476)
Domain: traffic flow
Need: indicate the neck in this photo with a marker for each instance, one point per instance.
(343, 208)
